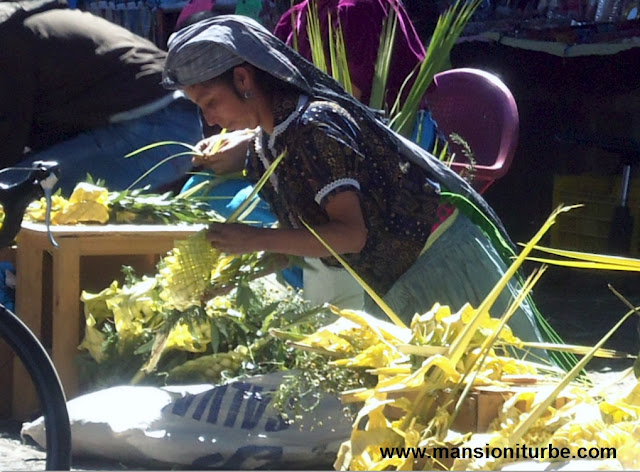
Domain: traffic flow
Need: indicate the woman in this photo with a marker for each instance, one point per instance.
(372, 195)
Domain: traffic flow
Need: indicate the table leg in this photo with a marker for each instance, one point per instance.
(65, 319)
(29, 309)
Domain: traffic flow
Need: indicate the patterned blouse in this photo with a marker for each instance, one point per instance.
(328, 152)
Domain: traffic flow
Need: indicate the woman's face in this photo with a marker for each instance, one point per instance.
(221, 105)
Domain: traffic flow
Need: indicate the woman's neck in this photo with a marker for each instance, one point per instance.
(276, 109)
(264, 113)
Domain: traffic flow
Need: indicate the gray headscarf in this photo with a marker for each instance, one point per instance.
(212, 46)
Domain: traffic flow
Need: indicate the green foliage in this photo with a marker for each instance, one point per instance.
(383, 62)
(337, 65)
(402, 116)
(447, 31)
(142, 207)
(469, 173)
(338, 55)
(232, 329)
(312, 378)
(191, 150)
(316, 43)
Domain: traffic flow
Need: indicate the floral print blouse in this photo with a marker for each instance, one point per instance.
(328, 152)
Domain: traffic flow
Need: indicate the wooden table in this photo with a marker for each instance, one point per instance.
(75, 242)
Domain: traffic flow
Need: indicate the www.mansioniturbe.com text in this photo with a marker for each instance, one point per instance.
(515, 452)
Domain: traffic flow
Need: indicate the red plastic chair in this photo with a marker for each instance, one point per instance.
(478, 107)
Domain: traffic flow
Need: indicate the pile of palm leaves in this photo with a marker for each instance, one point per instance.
(426, 372)
(208, 318)
(139, 332)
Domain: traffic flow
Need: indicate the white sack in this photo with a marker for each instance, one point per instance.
(232, 426)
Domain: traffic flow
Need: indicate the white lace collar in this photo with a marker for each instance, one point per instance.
(277, 131)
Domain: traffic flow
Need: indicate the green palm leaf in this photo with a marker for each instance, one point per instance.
(314, 34)
(383, 62)
(377, 298)
(339, 61)
(447, 31)
(240, 211)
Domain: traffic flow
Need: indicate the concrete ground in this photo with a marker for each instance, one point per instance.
(579, 305)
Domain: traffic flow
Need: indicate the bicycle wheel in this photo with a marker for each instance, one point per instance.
(48, 387)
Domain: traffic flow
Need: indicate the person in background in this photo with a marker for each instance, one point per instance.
(265, 12)
(80, 90)
(193, 11)
(370, 194)
(424, 15)
(361, 22)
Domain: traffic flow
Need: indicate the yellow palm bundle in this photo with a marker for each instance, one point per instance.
(186, 271)
(87, 204)
(210, 368)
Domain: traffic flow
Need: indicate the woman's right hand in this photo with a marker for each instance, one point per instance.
(225, 152)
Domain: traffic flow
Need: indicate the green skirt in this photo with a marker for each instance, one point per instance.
(461, 266)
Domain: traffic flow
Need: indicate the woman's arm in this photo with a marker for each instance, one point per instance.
(344, 233)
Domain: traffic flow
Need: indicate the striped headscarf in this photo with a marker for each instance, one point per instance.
(212, 46)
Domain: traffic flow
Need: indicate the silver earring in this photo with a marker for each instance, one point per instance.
(248, 94)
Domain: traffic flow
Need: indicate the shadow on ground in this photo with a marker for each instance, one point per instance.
(579, 305)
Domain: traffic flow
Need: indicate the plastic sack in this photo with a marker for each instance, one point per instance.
(230, 426)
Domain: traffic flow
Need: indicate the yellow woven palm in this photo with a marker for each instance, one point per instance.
(186, 271)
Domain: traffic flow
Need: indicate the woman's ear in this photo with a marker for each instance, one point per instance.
(244, 79)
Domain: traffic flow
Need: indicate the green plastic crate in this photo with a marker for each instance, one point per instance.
(587, 228)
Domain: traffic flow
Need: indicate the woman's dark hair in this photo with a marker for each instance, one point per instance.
(269, 84)
(226, 78)
(272, 85)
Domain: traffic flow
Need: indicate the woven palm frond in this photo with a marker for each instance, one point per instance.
(186, 271)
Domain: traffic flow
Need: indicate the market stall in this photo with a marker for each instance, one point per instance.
(570, 81)
(229, 368)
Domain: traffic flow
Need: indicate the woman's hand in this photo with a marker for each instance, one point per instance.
(225, 152)
(345, 232)
(234, 238)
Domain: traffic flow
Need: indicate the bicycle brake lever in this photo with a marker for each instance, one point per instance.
(47, 185)
(47, 216)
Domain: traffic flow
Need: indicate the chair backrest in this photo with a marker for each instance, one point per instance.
(477, 106)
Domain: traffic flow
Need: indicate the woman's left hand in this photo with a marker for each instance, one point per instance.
(345, 232)
(234, 238)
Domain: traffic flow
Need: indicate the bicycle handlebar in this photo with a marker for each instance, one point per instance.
(15, 198)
